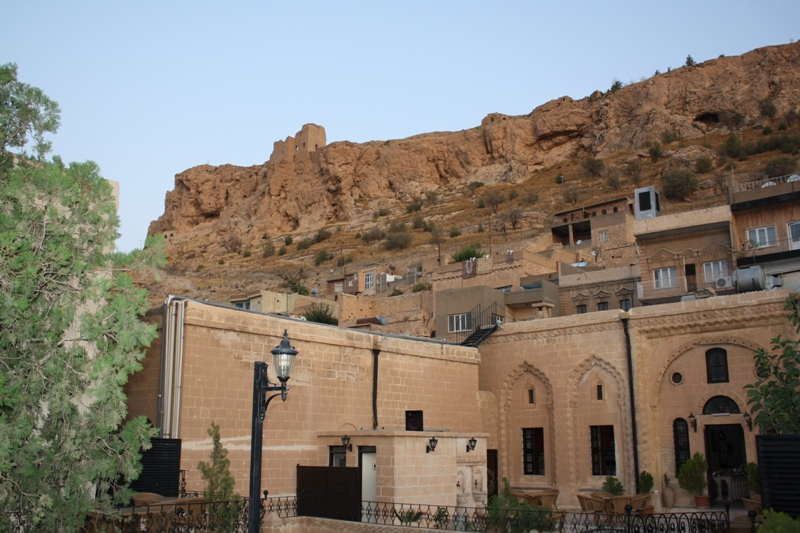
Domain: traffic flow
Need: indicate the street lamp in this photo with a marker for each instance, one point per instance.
(283, 356)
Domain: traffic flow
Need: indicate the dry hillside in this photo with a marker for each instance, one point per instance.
(227, 227)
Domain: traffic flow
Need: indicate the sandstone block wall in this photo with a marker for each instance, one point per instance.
(564, 359)
(331, 389)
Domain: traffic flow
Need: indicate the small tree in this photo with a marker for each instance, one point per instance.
(593, 166)
(690, 61)
(223, 502)
(294, 281)
(216, 472)
(572, 195)
(679, 184)
(515, 218)
(775, 397)
(494, 199)
(780, 167)
(692, 475)
(655, 152)
(615, 86)
(399, 240)
(645, 482)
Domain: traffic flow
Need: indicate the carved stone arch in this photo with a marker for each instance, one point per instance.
(507, 401)
(733, 395)
(704, 341)
(580, 298)
(573, 382)
(663, 255)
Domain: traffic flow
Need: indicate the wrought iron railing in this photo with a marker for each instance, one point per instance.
(189, 514)
(753, 249)
(521, 520)
(480, 318)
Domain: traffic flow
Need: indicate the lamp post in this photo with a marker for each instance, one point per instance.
(283, 356)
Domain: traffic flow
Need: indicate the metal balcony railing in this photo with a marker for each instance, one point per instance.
(755, 249)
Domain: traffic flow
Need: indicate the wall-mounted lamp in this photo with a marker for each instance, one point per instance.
(471, 444)
(693, 421)
(431, 447)
(346, 443)
(749, 420)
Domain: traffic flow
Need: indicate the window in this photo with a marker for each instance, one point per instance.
(531, 396)
(717, 365)
(582, 309)
(600, 392)
(337, 456)
(664, 278)
(242, 305)
(794, 235)
(625, 305)
(604, 460)
(764, 236)
(714, 270)
(603, 236)
(338, 286)
(533, 451)
(680, 436)
(602, 306)
(456, 323)
(507, 288)
(369, 280)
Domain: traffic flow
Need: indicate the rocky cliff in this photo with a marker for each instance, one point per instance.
(344, 182)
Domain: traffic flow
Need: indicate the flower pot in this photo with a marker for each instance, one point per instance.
(702, 501)
(649, 509)
(668, 497)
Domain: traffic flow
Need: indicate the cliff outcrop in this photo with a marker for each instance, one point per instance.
(345, 182)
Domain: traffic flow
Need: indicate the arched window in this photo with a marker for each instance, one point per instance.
(720, 405)
(717, 365)
(680, 435)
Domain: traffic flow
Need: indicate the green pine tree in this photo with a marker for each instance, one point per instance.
(70, 330)
(223, 502)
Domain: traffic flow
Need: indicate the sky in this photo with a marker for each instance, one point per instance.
(149, 89)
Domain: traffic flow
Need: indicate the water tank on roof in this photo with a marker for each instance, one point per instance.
(648, 203)
(750, 279)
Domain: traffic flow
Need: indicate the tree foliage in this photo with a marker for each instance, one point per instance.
(216, 474)
(774, 398)
(26, 113)
(71, 336)
(468, 252)
(678, 184)
(294, 281)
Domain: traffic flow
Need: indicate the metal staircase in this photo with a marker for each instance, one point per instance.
(484, 322)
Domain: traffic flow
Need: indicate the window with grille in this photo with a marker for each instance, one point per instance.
(602, 306)
(369, 280)
(604, 460)
(581, 309)
(717, 365)
(533, 451)
(625, 305)
(680, 435)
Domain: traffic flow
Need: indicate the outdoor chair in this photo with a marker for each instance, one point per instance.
(591, 505)
(639, 503)
(753, 504)
(616, 504)
(547, 498)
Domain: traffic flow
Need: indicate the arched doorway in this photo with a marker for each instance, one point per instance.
(725, 452)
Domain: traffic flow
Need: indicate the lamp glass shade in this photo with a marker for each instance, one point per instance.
(283, 357)
(472, 443)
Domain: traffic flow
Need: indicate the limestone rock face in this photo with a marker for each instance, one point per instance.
(345, 182)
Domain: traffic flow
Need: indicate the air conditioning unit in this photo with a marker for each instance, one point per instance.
(724, 282)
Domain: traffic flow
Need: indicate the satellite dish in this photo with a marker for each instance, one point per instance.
(594, 253)
(578, 242)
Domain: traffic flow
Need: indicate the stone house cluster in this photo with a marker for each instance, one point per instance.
(623, 344)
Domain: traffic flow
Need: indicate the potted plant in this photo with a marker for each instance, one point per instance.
(645, 486)
(692, 478)
(613, 486)
(668, 492)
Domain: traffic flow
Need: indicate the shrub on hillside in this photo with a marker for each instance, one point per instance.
(781, 166)
(373, 234)
(703, 165)
(415, 205)
(398, 241)
(320, 313)
(593, 166)
(679, 184)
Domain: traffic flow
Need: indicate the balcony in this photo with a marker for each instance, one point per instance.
(772, 251)
(764, 191)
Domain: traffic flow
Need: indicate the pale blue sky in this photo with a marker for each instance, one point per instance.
(149, 89)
